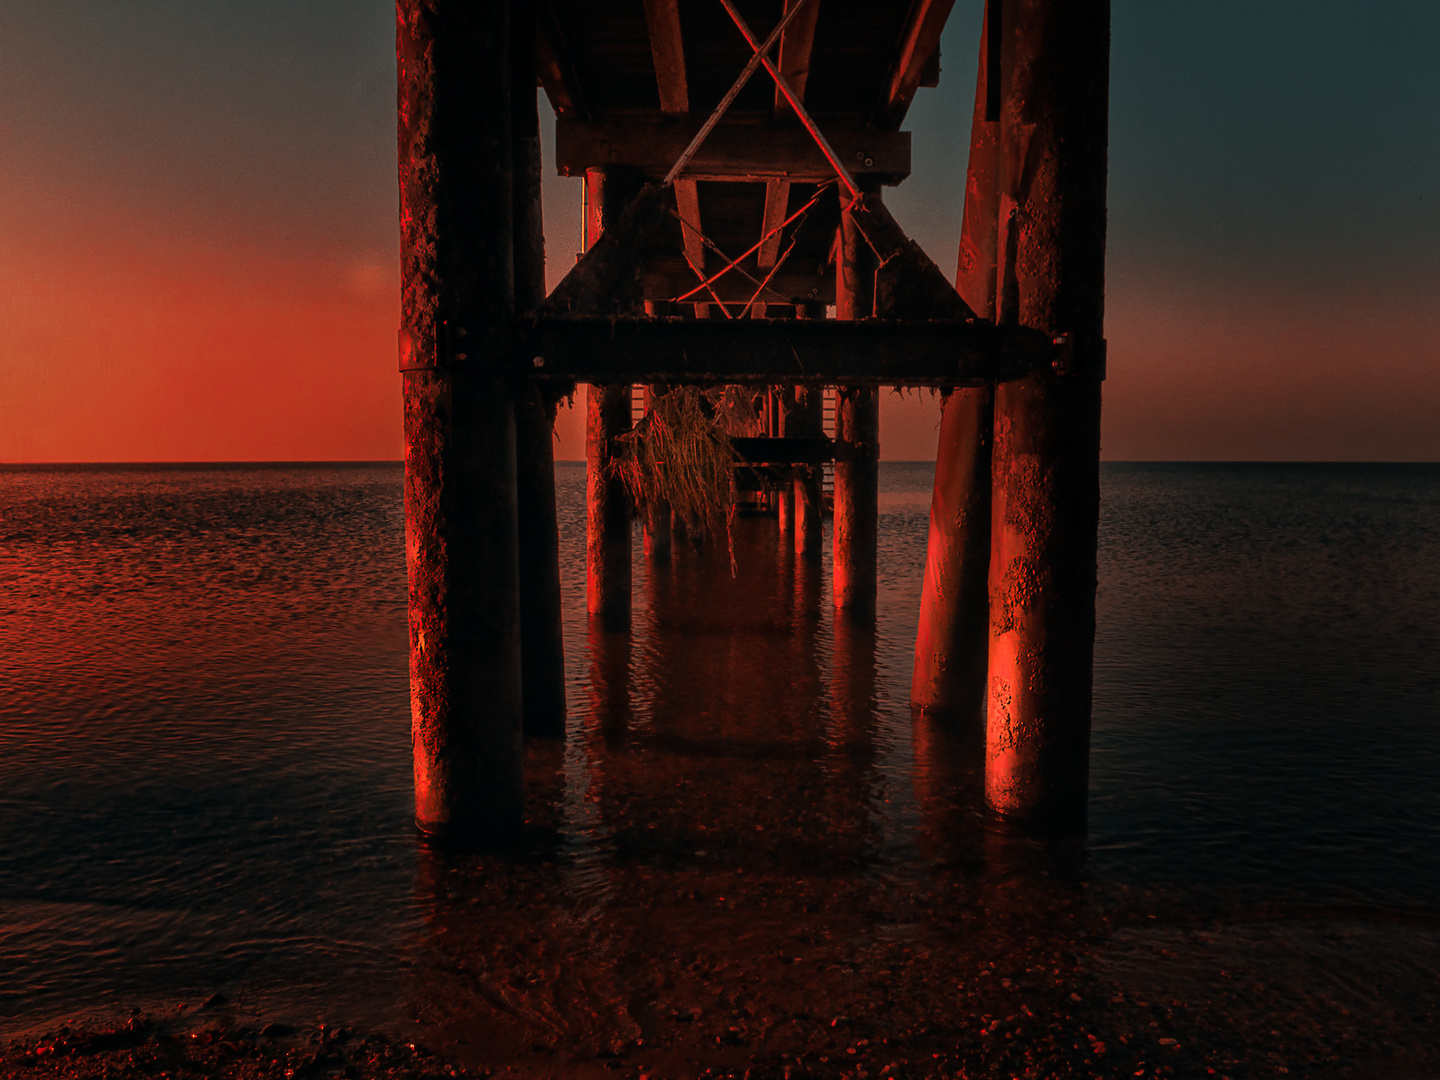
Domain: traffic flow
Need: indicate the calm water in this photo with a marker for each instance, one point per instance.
(204, 768)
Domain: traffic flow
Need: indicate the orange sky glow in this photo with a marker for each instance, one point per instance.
(189, 278)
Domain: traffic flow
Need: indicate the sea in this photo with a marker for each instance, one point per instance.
(205, 779)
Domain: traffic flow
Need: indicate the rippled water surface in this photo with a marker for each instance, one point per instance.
(204, 777)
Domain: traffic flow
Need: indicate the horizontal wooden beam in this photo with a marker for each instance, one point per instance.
(788, 450)
(767, 352)
(731, 152)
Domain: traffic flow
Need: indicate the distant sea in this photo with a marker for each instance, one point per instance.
(205, 765)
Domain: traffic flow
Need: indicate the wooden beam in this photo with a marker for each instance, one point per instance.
(607, 277)
(796, 45)
(667, 49)
(918, 45)
(687, 205)
(777, 202)
(756, 352)
(787, 450)
(734, 151)
(556, 72)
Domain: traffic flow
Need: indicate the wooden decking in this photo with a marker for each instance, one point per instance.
(632, 81)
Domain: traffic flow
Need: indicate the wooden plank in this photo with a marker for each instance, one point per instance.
(667, 47)
(777, 199)
(754, 352)
(607, 277)
(786, 450)
(556, 72)
(687, 205)
(734, 151)
(918, 45)
(796, 45)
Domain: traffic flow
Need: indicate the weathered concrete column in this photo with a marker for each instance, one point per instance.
(607, 416)
(952, 640)
(457, 294)
(1053, 130)
(857, 430)
(542, 641)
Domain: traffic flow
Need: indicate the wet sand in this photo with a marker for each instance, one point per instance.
(785, 979)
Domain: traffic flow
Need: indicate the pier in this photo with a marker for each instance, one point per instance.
(734, 159)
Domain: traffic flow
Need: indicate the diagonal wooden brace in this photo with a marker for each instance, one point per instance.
(606, 280)
(755, 61)
(908, 285)
(791, 97)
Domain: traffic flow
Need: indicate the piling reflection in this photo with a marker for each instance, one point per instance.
(854, 788)
(609, 653)
(949, 784)
(743, 859)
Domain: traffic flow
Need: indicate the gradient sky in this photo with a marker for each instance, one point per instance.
(198, 242)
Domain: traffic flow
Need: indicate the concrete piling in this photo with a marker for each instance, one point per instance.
(457, 285)
(542, 643)
(607, 416)
(1045, 508)
(857, 437)
(952, 639)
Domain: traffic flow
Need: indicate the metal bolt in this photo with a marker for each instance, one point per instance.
(539, 361)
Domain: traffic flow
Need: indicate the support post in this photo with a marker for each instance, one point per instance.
(807, 420)
(952, 640)
(542, 641)
(1045, 509)
(607, 416)
(857, 426)
(457, 286)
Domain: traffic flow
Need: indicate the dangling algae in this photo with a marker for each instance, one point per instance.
(680, 453)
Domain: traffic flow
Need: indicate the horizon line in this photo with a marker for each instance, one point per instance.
(361, 462)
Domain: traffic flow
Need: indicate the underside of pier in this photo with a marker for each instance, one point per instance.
(735, 154)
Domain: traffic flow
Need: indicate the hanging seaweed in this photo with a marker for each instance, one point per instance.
(679, 453)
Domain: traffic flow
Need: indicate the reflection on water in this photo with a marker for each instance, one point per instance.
(745, 856)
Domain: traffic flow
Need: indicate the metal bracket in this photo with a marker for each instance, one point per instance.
(1078, 356)
(456, 347)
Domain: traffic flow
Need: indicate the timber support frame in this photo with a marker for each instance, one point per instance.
(735, 203)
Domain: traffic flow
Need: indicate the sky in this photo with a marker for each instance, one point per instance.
(199, 249)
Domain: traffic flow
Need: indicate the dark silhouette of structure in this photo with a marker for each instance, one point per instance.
(690, 152)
